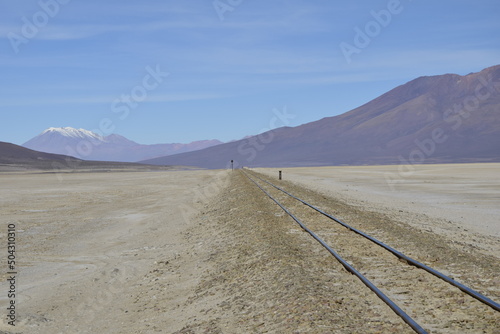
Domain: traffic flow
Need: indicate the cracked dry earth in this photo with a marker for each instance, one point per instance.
(263, 274)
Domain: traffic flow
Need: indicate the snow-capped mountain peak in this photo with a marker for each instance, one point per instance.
(88, 145)
(74, 133)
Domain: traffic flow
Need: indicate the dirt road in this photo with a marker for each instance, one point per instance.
(276, 279)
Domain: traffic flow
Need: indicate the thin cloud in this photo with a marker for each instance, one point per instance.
(108, 99)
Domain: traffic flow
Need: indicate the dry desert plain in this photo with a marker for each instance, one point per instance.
(207, 252)
(459, 196)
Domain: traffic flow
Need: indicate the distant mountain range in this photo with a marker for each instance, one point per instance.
(17, 158)
(438, 119)
(87, 145)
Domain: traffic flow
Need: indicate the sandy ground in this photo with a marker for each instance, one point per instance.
(206, 252)
(86, 245)
(456, 200)
(267, 276)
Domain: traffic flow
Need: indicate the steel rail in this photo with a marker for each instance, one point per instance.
(400, 255)
(406, 318)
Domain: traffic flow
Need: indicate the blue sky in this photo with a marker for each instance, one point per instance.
(231, 64)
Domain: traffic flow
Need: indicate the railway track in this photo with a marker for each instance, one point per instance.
(413, 290)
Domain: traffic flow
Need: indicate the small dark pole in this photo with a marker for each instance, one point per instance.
(232, 164)
(280, 174)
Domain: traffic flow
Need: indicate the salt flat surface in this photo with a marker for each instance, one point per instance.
(141, 252)
(85, 245)
(466, 196)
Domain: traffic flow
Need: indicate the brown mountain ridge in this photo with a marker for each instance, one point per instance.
(435, 119)
(18, 158)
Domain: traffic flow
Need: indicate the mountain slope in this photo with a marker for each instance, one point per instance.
(445, 118)
(11, 153)
(18, 158)
(88, 145)
(14, 155)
